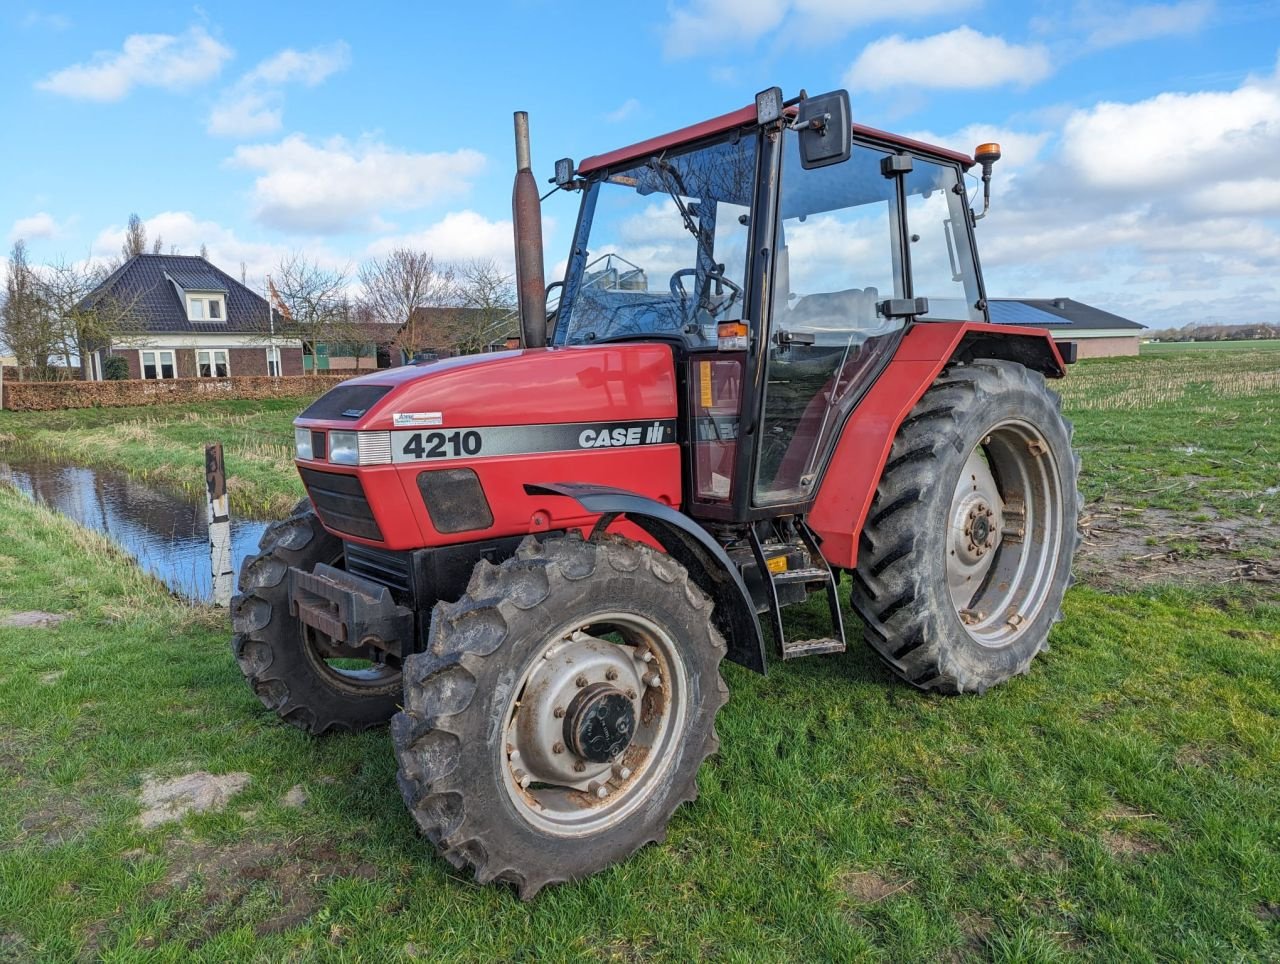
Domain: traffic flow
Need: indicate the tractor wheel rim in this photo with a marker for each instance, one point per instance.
(594, 724)
(352, 671)
(1004, 533)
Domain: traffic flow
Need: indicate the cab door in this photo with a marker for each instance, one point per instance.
(839, 256)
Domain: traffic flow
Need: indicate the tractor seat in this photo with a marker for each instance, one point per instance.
(854, 308)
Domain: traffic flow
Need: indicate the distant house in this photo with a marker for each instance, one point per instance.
(1096, 333)
(430, 333)
(189, 319)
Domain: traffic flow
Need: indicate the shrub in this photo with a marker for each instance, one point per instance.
(115, 368)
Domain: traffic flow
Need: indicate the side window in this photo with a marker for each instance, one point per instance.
(942, 263)
(838, 256)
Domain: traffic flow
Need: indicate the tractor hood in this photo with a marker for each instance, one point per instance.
(525, 387)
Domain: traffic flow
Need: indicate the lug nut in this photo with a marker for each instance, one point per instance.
(621, 772)
(579, 767)
(559, 712)
(581, 681)
(646, 656)
(523, 779)
(631, 694)
(652, 679)
(611, 674)
(597, 789)
(557, 747)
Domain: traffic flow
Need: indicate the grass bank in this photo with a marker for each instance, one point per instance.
(1121, 801)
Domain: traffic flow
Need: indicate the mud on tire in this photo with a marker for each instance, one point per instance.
(285, 672)
(451, 742)
(994, 412)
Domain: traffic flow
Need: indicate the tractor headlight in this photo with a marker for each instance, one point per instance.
(302, 442)
(344, 448)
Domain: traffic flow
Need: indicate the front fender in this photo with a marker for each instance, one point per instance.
(691, 546)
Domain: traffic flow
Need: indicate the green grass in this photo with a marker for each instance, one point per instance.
(1174, 347)
(1122, 801)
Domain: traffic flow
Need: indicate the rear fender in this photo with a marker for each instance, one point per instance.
(849, 484)
(691, 546)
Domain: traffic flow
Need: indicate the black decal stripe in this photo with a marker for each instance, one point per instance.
(438, 444)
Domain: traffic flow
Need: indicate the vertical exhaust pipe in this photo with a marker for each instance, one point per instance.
(526, 213)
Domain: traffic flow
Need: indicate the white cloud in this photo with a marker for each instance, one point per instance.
(1254, 196)
(254, 105)
(337, 185)
(46, 21)
(959, 59)
(459, 236)
(35, 227)
(146, 60)
(625, 110)
(1146, 22)
(1017, 148)
(700, 25)
(1177, 140)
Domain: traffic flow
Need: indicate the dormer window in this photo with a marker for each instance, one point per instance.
(206, 307)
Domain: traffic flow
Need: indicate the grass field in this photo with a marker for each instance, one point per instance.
(1122, 801)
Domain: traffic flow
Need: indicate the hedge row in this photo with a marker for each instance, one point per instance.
(47, 396)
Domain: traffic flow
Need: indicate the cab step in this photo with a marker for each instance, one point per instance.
(795, 648)
(817, 571)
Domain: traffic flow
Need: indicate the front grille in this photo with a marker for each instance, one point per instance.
(346, 401)
(383, 566)
(341, 504)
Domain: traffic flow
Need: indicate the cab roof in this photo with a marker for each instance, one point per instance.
(741, 118)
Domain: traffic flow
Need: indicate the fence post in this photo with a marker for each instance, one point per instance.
(219, 515)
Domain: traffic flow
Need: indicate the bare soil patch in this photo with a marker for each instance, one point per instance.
(33, 619)
(1124, 549)
(1267, 912)
(57, 823)
(198, 792)
(869, 887)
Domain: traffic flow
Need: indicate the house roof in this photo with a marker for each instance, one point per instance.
(1060, 314)
(150, 283)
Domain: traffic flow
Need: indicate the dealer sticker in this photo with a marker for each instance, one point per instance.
(406, 419)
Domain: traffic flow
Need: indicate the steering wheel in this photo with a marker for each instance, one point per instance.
(677, 286)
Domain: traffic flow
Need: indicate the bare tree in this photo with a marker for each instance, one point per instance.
(490, 295)
(311, 300)
(86, 319)
(157, 246)
(400, 283)
(204, 251)
(26, 323)
(135, 238)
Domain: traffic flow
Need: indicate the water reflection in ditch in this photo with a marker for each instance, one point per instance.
(166, 532)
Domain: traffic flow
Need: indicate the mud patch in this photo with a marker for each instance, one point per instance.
(33, 619)
(271, 886)
(57, 823)
(1125, 550)
(199, 792)
(869, 887)
(295, 799)
(1267, 912)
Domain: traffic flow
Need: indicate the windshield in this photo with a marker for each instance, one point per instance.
(665, 245)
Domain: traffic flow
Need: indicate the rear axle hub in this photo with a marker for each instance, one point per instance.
(600, 723)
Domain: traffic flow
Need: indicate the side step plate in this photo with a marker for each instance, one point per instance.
(795, 648)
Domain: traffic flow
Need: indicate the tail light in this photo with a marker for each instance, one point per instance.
(717, 405)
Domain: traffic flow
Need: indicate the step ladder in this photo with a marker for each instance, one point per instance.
(818, 570)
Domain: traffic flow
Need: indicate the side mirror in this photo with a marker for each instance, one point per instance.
(564, 172)
(826, 129)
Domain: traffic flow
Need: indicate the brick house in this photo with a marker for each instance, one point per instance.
(1096, 333)
(189, 319)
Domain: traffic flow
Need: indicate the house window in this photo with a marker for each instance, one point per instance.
(206, 308)
(273, 361)
(212, 363)
(158, 364)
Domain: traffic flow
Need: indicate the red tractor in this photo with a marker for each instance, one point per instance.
(771, 369)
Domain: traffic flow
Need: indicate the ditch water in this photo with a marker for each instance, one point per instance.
(166, 532)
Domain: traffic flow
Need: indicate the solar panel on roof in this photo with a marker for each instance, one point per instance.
(1021, 313)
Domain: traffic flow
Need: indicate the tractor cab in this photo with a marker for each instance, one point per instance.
(783, 287)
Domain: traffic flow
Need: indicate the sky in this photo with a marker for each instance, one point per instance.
(1141, 168)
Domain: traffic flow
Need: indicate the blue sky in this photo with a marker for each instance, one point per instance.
(1142, 141)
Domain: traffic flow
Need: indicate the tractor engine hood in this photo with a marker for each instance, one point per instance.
(471, 432)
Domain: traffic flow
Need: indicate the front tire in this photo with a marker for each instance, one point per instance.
(967, 548)
(302, 677)
(561, 711)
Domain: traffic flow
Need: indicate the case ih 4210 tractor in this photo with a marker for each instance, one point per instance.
(771, 371)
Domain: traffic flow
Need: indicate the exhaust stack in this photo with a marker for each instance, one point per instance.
(526, 213)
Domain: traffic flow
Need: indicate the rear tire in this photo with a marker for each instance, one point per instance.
(499, 764)
(279, 659)
(967, 548)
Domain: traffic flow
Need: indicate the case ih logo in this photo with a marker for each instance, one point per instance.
(469, 443)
